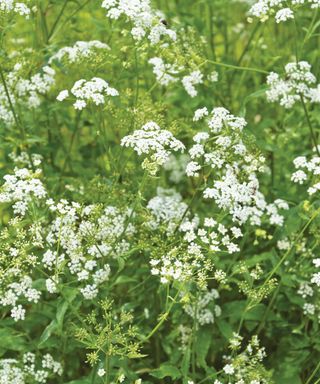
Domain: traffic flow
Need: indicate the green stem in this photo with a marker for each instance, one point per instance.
(236, 67)
(164, 317)
(312, 133)
(57, 20)
(313, 374)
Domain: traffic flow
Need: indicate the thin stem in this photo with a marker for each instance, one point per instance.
(313, 374)
(15, 116)
(164, 317)
(236, 67)
(57, 20)
(72, 15)
(312, 133)
(11, 105)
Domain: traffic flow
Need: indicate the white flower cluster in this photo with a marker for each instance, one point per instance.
(86, 237)
(13, 371)
(307, 170)
(283, 9)
(308, 291)
(81, 49)
(190, 258)
(154, 142)
(297, 83)
(165, 73)
(189, 82)
(235, 183)
(146, 21)
(24, 91)
(21, 188)
(169, 210)
(85, 91)
(199, 309)
(316, 276)
(245, 368)
(171, 267)
(9, 6)
(19, 291)
(25, 160)
(213, 236)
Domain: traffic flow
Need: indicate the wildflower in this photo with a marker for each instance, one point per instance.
(21, 188)
(189, 82)
(94, 91)
(284, 15)
(101, 372)
(297, 84)
(145, 20)
(164, 72)
(235, 186)
(228, 369)
(21, 9)
(263, 8)
(79, 50)
(154, 142)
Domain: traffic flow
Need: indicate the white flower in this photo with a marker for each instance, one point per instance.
(79, 105)
(164, 72)
(79, 50)
(21, 188)
(192, 169)
(264, 8)
(101, 372)
(146, 21)
(200, 113)
(94, 90)
(18, 313)
(189, 82)
(284, 15)
(16, 7)
(316, 279)
(297, 83)
(153, 141)
(228, 369)
(63, 95)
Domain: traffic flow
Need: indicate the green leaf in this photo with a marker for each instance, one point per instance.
(225, 328)
(11, 340)
(48, 332)
(166, 370)
(203, 341)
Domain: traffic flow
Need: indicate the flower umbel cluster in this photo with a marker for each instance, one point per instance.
(85, 91)
(80, 50)
(21, 188)
(19, 290)
(18, 90)
(29, 370)
(283, 9)
(168, 210)
(235, 183)
(246, 366)
(12, 6)
(307, 170)
(87, 240)
(296, 85)
(146, 21)
(154, 142)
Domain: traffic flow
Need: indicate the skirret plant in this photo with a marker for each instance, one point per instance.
(160, 174)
